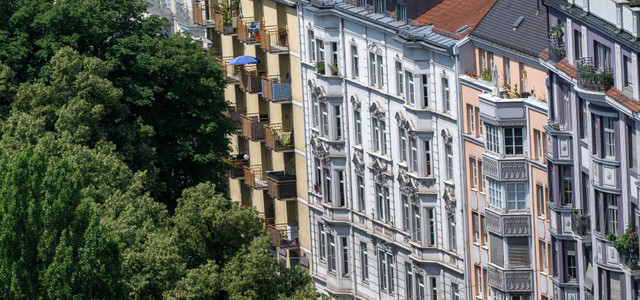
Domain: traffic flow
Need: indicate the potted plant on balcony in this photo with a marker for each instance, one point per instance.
(334, 70)
(320, 67)
(627, 246)
(486, 75)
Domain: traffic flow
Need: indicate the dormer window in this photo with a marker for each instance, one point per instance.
(401, 12)
(378, 6)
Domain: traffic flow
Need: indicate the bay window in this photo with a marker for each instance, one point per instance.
(495, 193)
(609, 137)
(516, 196)
(492, 140)
(513, 141)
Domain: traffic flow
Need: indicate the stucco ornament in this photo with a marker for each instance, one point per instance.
(358, 163)
(376, 110)
(355, 103)
(449, 199)
(380, 171)
(320, 151)
(408, 186)
(446, 136)
(406, 124)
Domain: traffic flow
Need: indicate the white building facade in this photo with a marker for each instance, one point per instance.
(383, 157)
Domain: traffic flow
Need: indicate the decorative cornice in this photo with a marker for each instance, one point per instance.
(320, 151)
(408, 186)
(376, 110)
(380, 171)
(406, 124)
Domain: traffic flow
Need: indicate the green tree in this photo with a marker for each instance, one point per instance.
(52, 244)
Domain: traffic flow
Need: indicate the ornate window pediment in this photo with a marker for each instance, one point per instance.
(355, 102)
(408, 186)
(446, 136)
(449, 199)
(318, 91)
(406, 124)
(380, 171)
(376, 110)
(358, 163)
(320, 150)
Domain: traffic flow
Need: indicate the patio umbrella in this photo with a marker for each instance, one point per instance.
(244, 60)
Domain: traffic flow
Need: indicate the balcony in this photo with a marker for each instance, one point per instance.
(232, 72)
(274, 40)
(255, 177)
(510, 281)
(508, 225)
(283, 235)
(236, 115)
(557, 50)
(225, 22)
(198, 18)
(237, 164)
(504, 169)
(277, 138)
(276, 89)
(249, 31)
(253, 126)
(281, 185)
(250, 79)
(592, 78)
(581, 224)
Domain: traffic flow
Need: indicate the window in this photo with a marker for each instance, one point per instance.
(338, 132)
(479, 281)
(312, 46)
(399, 78)
(513, 141)
(408, 281)
(434, 288)
(449, 153)
(474, 172)
(577, 44)
(609, 137)
(364, 261)
(496, 246)
(543, 256)
(372, 69)
(411, 97)
(566, 184)
(631, 144)
(420, 286)
(316, 109)
(571, 260)
(379, 136)
(491, 61)
(495, 193)
(483, 60)
(446, 100)
(383, 203)
(360, 183)
(378, 6)
(341, 188)
(318, 176)
(541, 203)
(451, 220)
(431, 234)
(481, 176)
(323, 241)
(612, 213)
(537, 140)
(518, 251)
(507, 71)
(385, 262)
(332, 253)
(427, 155)
(471, 120)
(602, 57)
(584, 114)
(334, 55)
(483, 227)
(345, 256)
(327, 184)
(476, 226)
(406, 215)
(425, 91)
(403, 144)
(360, 3)
(417, 224)
(355, 71)
(480, 124)
(380, 73)
(324, 126)
(492, 142)
(401, 12)
(358, 120)
(628, 73)
(566, 106)
(455, 292)
(516, 196)
(414, 154)
(320, 51)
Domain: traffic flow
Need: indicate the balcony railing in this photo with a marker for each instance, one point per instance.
(510, 280)
(232, 72)
(278, 138)
(276, 89)
(283, 235)
(508, 224)
(237, 165)
(225, 22)
(249, 30)
(593, 78)
(274, 40)
(255, 177)
(281, 186)
(198, 18)
(556, 49)
(253, 126)
(250, 79)
(581, 224)
(236, 115)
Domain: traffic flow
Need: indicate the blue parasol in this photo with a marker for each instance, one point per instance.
(244, 60)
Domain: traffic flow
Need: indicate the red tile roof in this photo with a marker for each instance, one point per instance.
(544, 55)
(630, 103)
(567, 68)
(453, 14)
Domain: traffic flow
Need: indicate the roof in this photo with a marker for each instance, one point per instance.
(517, 25)
(450, 15)
(631, 104)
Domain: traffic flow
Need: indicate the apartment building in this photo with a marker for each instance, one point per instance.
(504, 111)
(268, 166)
(381, 128)
(592, 148)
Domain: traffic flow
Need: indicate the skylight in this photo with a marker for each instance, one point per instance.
(518, 22)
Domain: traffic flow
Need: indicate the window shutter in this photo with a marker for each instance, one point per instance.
(518, 252)
(497, 250)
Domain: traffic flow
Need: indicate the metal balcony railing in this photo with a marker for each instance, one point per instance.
(253, 126)
(232, 72)
(276, 89)
(237, 165)
(249, 30)
(593, 78)
(274, 40)
(278, 138)
(251, 79)
(281, 186)
(255, 177)
(283, 235)
(557, 50)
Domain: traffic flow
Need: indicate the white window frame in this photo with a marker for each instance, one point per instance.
(451, 222)
(425, 90)
(364, 261)
(432, 234)
(510, 133)
(312, 46)
(495, 193)
(517, 196)
(492, 139)
(474, 173)
(355, 68)
(609, 136)
(448, 151)
(404, 144)
(399, 79)
(446, 95)
(428, 156)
